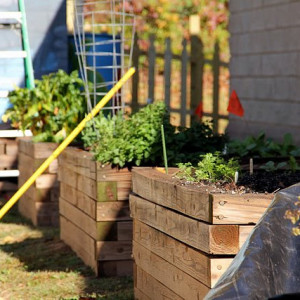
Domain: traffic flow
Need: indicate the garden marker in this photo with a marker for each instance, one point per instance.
(65, 143)
(164, 148)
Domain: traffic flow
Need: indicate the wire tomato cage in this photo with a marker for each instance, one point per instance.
(103, 37)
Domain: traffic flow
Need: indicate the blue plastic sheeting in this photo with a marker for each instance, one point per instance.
(268, 264)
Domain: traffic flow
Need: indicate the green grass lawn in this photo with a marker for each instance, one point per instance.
(35, 264)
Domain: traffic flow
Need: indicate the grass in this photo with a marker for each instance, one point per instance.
(35, 264)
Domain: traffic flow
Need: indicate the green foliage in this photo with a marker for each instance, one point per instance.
(270, 166)
(51, 110)
(290, 165)
(212, 168)
(260, 146)
(127, 141)
(187, 144)
(136, 140)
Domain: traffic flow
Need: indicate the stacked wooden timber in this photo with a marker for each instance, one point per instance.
(8, 154)
(40, 202)
(184, 236)
(94, 212)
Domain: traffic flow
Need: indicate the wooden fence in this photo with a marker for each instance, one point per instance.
(197, 61)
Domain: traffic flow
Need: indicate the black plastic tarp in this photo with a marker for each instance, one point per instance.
(268, 264)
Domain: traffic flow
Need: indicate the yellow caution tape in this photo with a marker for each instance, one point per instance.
(65, 143)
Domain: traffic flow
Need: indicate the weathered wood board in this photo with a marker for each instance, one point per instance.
(40, 201)
(185, 237)
(94, 202)
(197, 202)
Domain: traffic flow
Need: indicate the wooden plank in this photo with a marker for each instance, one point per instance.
(87, 186)
(78, 199)
(78, 218)
(139, 295)
(36, 150)
(167, 71)
(151, 68)
(170, 276)
(124, 231)
(244, 234)
(46, 181)
(99, 231)
(216, 87)
(7, 186)
(8, 161)
(81, 243)
(237, 209)
(68, 176)
(183, 95)
(115, 268)
(204, 268)
(107, 191)
(211, 239)
(197, 66)
(26, 207)
(11, 149)
(113, 250)
(162, 189)
(27, 162)
(107, 173)
(152, 288)
(113, 211)
(196, 201)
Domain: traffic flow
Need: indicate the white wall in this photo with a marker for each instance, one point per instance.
(265, 66)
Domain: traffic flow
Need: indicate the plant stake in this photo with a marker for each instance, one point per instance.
(164, 148)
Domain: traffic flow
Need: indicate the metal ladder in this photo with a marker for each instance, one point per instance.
(16, 21)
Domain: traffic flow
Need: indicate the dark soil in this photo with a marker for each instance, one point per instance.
(269, 182)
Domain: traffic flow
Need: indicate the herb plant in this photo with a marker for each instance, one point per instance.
(261, 146)
(51, 110)
(129, 141)
(136, 139)
(211, 168)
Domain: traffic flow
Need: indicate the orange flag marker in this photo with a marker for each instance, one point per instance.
(234, 106)
(199, 110)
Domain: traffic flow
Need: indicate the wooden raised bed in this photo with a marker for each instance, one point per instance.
(94, 212)
(184, 238)
(40, 202)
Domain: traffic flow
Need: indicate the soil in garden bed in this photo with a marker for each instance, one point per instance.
(268, 181)
(259, 182)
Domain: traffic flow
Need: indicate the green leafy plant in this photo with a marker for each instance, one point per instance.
(136, 139)
(271, 166)
(211, 168)
(128, 141)
(261, 146)
(51, 110)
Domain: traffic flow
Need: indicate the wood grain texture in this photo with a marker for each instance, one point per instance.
(81, 243)
(211, 239)
(179, 282)
(197, 202)
(240, 209)
(203, 268)
(113, 250)
(152, 288)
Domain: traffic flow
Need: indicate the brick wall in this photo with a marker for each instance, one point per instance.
(265, 66)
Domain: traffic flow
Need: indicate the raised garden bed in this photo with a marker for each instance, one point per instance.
(40, 202)
(185, 236)
(94, 212)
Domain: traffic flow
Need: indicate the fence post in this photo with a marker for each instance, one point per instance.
(197, 66)
(216, 74)
(136, 76)
(167, 72)
(184, 62)
(151, 74)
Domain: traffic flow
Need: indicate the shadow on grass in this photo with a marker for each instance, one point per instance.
(48, 253)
